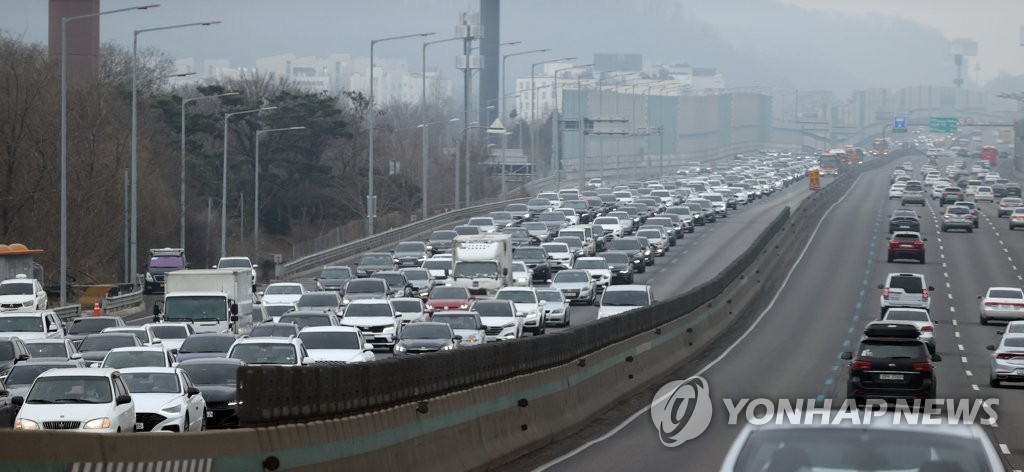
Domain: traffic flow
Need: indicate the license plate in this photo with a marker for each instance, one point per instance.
(906, 245)
(139, 426)
(209, 414)
(904, 227)
(890, 376)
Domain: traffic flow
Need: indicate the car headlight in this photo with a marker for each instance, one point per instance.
(234, 403)
(463, 306)
(345, 301)
(626, 271)
(98, 423)
(396, 260)
(389, 329)
(399, 348)
(26, 425)
(448, 347)
(149, 277)
(423, 294)
(647, 252)
(172, 409)
(430, 307)
(472, 338)
(509, 325)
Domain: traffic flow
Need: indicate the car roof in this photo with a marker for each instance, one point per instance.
(906, 233)
(285, 284)
(516, 289)
(149, 370)
(266, 340)
(1005, 288)
(164, 323)
(211, 335)
(79, 372)
(45, 341)
(329, 329)
(212, 360)
(369, 301)
(138, 348)
(628, 288)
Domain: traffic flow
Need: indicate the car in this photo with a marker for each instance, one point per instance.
(271, 313)
(502, 219)
(1008, 204)
(1016, 218)
(443, 298)
(536, 259)
(19, 380)
(205, 346)
(951, 195)
(217, 380)
(333, 278)
(171, 335)
(31, 324)
(500, 318)
(281, 293)
(975, 213)
(657, 238)
(165, 400)
(906, 245)
(420, 338)
(522, 276)
(632, 248)
(141, 356)
(377, 320)
(309, 318)
(1006, 365)
(598, 269)
(398, 285)
(527, 305)
(958, 217)
(239, 263)
(83, 399)
(1013, 189)
(373, 262)
(649, 250)
(538, 230)
(336, 345)
(520, 211)
(467, 230)
(576, 285)
(1001, 304)
(673, 229)
(440, 241)
(409, 309)
(553, 220)
(22, 293)
(421, 280)
(891, 362)
(96, 346)
(938, 188)
(902, 289)
(52, 349)
(560, 255)
(920, 318)
(612, 225)
(273, 330)
(140, 332)
(621, 267)
(78, 328)
(410, 254)
(619, 299)
(913, 193)
(984, 193)
(556, 306)
(370, 288)
(521, 236)
(270, 351)
(467, 324)
(904, 220)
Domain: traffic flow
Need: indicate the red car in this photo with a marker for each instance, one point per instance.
(906, 245)
(448, 298)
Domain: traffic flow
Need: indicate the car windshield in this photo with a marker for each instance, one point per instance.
(330, 340)
(517, 208)
(616, 258)
(166, 262)
(890, 350)
(393, 280)
(467, 230)
(91, 325)
(169, 332)
(417, 274)
(211, 374)
(530, 254)
(70, 389)
(273, 331)
(151, 382)
(234, 263)
(99, 342)
(907, 284)
(555, 217)
(265, 353)
(438, 264)
(47, 349)
(282, 289)
(441, 293)
(906, 315)
(488, 308)
(517, 296)
(407, 306)
(550, 295)
(410, 247)
(457, 321)
(322, 299)
(306, 320)
(592, 264)
(25, 374)
(534, 226)
(362, 286)
(126, 359)
(275, 310)
(195, 308)
(649, 233)
(376, 260)
(623, 245)
(516, 232)
(555, 247)
(843, 450)
(368, 309)
(905, 237)
(519, 266)
(483, 221)
(625, 298)
(21, 324)
(958, 210)
(443, 236)
(206, 344)
(573, 242)
(1005, 293)
(336, 273)
(538, 202)
(426, 331)
(16, 288)
(904, 214)
(571, 276)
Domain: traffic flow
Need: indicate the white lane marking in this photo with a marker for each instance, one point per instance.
(969, 373)
(1004, 449)
(715, 361)
(957, 334)
(952, 309)
(975, 387)
(959, 346)
(942, 256)
(1000, 242)
(1014, 268)
(1006, 250)
(945, 274)
(963, 359)
(950, 295)
(943, 265)
(941, 248)
(947, 285)
(940, 240)
(954, 321)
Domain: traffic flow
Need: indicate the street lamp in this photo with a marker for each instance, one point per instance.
(423, 119)
(256, 214)
(64, 139)
(186, 101)
(533, 87)
(504, 58)
(134, 243)
(224, 181)
(371, 207)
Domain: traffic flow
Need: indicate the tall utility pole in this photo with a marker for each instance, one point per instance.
(556, 127)
(184, 102)
(424, 161)
(467, 30)
(224, 181)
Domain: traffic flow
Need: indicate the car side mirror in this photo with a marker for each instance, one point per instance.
(192, 391)
(367, 347)
(980, 297)
(458, 337)
(931, 289)
(990, 347)
(24, 357)
(76, 356)
(846, 356)
(307, 360)
(18, 401)
(936, 357)
(924, 239)
(123, 399)
(504, 271)
(999, 332)
(174, 351)
(260, 294)
(234, 309)
(881, 286)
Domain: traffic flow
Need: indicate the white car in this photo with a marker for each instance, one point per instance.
(556, 307)
(166, 400)
(31, 325)
(270, 351)
(561, 256)
(336, 345)
(499, 318)
(81, 399)
(618, 226)
(22, 294)
(282, 293)
(485, 223)
(376, 318)
(896, 191)
(142, 356)
(238, 263)
(410, 309)
(984, 194)
(619, 299)
(1002, 304)
(467, 324)
(1007, 360)
(527, 305)
(170, 335)
(44, 348)
(598, 269)
(522, 276)
(576, 285)
(440, 266)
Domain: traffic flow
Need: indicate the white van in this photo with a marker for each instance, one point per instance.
(619, 299)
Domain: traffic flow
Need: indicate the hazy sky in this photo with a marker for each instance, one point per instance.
(257, 28)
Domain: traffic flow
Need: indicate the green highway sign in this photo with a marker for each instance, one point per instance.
(942, 124)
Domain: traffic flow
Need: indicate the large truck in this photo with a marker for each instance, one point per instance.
(212, 300)
(482, 263)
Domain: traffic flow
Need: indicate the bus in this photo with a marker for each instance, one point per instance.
(881, 147)
(831, 161)
(989, 154)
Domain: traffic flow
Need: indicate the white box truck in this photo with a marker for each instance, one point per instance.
(482, 263)
(212, 300)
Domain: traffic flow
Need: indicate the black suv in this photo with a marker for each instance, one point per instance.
(904, 220)
(12, 351)
(890, 364)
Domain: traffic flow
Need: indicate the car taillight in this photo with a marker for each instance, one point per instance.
(946, 216)
(922, 366)
(885, 293)
(1005, 355)
(992, 304)
(927, 329)
(860, 365)
(918, 243)
(924, 294)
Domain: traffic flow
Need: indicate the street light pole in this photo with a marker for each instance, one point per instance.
(371, 207)
(184, 102)
(224, 181)
(256, 199)
(64, 139)
(134, 243)
(424, 161)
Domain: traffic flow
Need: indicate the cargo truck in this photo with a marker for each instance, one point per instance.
(212, 300)
(482, 263)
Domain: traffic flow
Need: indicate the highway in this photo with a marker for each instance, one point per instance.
(793, 350)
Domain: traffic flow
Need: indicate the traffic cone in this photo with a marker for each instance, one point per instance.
(96, 311)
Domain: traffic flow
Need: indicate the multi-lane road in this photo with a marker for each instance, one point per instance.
(793, 348)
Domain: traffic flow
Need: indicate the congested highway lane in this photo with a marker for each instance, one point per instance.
(793, 350)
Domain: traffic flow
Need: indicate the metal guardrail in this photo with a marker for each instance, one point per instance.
(128, 301)
(67, 312)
